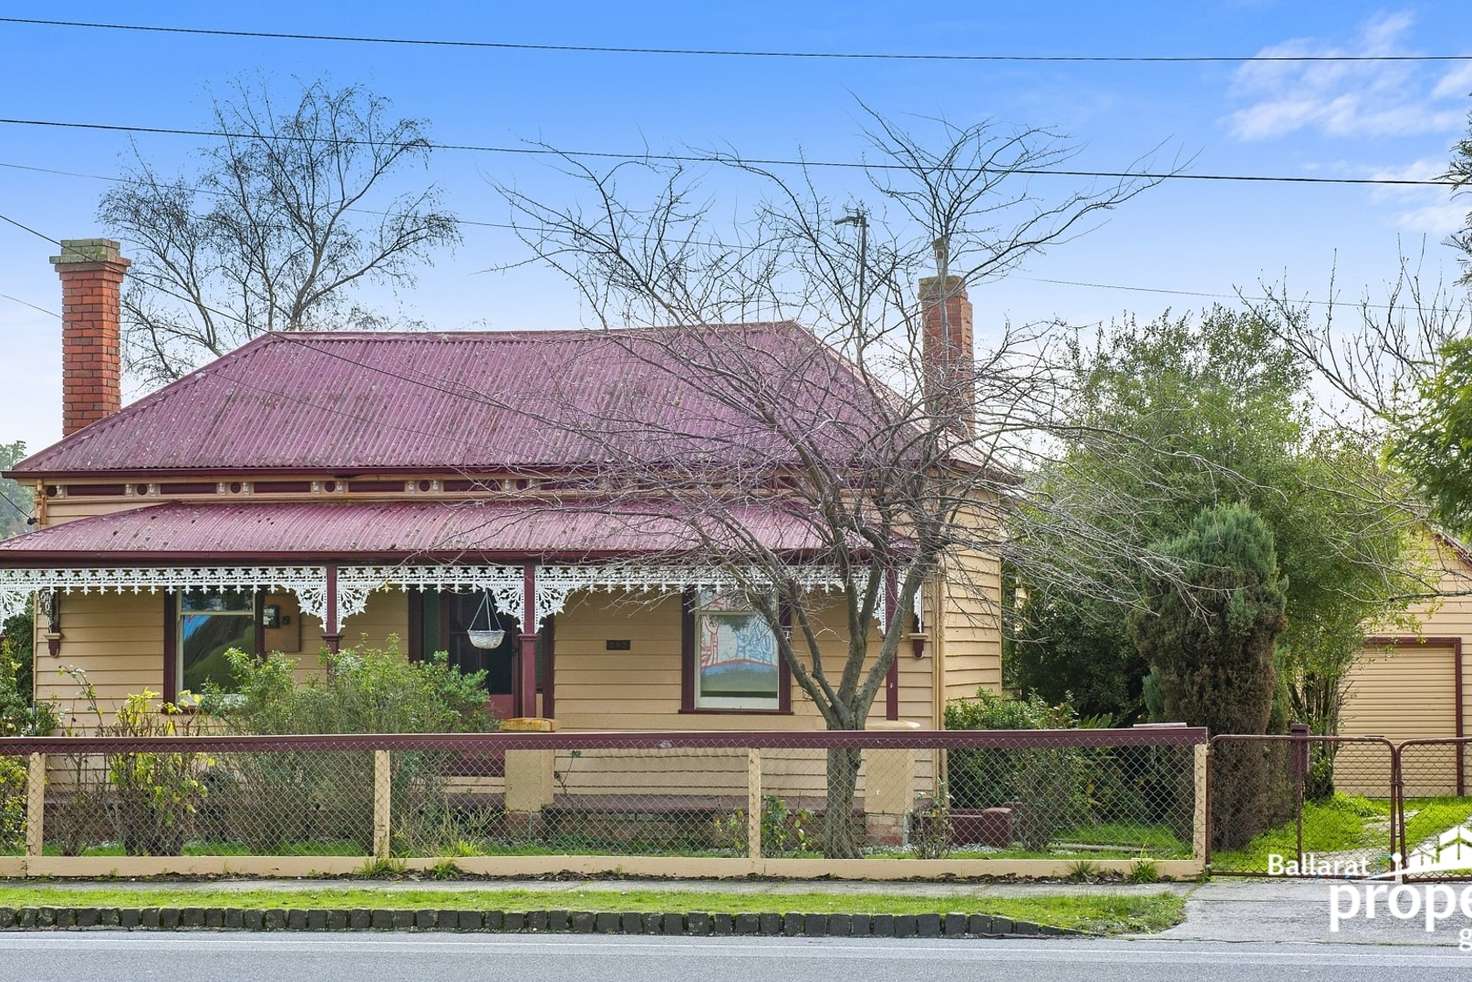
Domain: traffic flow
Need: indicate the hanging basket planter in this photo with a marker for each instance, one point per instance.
(487, 638)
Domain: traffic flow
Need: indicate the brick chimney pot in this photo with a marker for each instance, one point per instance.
(91, 272)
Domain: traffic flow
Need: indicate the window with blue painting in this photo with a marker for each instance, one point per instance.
(736, 656)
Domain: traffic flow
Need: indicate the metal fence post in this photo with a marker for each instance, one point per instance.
(382, 797)
(35, 806)
(754, 804)
(1199, 819)
(1299, 732)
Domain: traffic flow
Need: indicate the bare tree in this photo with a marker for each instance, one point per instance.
(1375, 372)
(1374, 365)
(275, 230)
(828, 430)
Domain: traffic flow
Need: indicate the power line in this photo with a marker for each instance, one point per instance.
(1166, 291)
(727, 245)
(213, 192)
(736, 160)
(1232, 296)
(723, 52)
(27, 303)
(18, 509)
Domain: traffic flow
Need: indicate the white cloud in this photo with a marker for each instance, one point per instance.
(1347, 98)
(1437, 220)
(1455, 84)
(1424, 211)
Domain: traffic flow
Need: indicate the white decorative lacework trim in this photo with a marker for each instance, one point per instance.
(505, 584)
(307, 582)
(555, 583)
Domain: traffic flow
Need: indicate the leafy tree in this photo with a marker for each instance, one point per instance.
(1210, 411)
(20, 714)
(16, 507)
(1434, 444)
(1461, 174)
(276, 231)
(1071, 649)
(1211, 641)
(18, 632)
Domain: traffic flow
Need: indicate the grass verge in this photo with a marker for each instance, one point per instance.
(1096, 914)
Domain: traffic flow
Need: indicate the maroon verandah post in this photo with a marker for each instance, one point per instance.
(525, 703)
(332, 636)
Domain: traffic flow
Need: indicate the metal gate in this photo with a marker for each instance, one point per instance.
(1435, 809)
(1303, 805)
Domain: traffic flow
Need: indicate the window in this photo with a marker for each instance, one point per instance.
(210, 624)
(735, 659)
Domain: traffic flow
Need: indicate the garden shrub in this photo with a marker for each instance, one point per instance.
(1047, 789)
(12, 804)
(274, 799)
(155, 796)
(783, 829)
(359, 690)
(148, 802)
(19, 716)
(931, 828)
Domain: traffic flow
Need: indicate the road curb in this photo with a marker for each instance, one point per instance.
(690, 924)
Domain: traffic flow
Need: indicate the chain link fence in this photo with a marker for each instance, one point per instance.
(1077, 795)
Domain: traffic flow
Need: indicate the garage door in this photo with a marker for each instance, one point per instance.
(1405, 692)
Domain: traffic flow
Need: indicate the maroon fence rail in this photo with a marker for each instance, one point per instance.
(1180, 736)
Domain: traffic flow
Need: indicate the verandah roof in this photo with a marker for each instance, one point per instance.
(302, 531)
(360, 547)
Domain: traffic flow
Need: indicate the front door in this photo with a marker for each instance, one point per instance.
(498, 663)
(442, 621)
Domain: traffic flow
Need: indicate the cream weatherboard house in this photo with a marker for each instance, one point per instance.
(309, 490)
(1410, 683)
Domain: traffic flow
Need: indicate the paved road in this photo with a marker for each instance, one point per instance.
(35, 957)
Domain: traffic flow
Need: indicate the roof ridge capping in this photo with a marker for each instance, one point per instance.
(482, 334)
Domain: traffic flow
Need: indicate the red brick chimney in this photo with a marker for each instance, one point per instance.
(947, 353)
(91, 273)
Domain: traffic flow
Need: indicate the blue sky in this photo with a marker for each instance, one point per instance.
(1365, 120)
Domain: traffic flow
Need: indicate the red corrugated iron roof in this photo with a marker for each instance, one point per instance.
(435, 530)
(355, 402)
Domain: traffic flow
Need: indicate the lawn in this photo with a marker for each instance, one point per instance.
(1344, 823)
(1094, 913)
(1427, 818)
